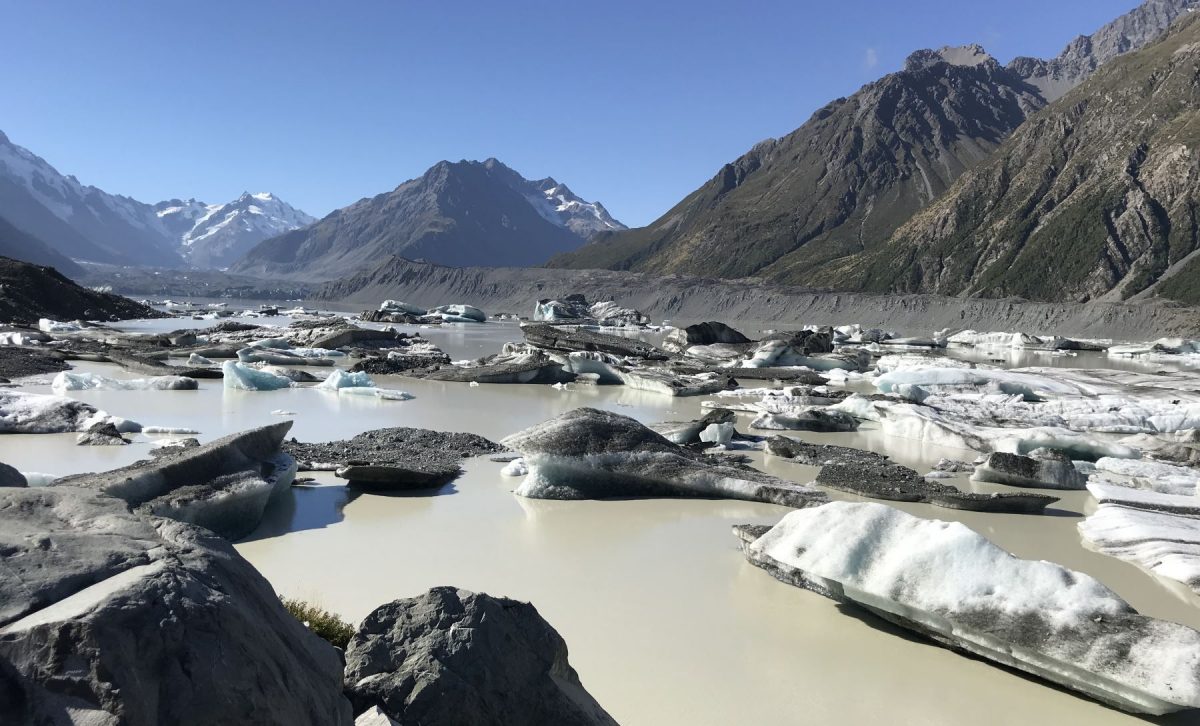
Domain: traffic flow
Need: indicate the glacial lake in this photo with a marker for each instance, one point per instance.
(665, 620)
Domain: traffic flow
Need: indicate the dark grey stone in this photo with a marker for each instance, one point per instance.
(455, 658)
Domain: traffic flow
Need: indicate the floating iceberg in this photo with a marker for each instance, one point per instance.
(345, 379)
(948, 583)
(246, 378)
(47, 325)
(35, 413)
(1160, 532)
(69, 381)
(459, 314)
(516, 467)
(591, 454)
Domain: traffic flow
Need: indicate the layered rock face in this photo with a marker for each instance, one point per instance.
(1092, 199)
(456, 658)
(112, 617)
(224, 485)
(844, 180)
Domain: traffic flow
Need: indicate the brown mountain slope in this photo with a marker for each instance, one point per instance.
(1094, 197)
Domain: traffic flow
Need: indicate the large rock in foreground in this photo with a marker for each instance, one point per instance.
(224, 485)
(111, 617)
(457, 658)
(946, 582)
(592, 454)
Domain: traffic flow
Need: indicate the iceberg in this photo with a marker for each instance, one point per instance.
(242, 377)
(459, 314)
(948, 583)
(1144, 528)
(36, 413)
(592, 454)
(68, 381)
(47, 325)
(344, 379)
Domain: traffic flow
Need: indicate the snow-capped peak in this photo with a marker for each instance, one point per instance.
(558, 204)
(215, 235)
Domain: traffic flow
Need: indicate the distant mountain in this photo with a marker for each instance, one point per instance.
(25, 247)
(457, 213)
(1096, 197)
(854, 172)
(81, 222)
(217, 235)
(862, 166)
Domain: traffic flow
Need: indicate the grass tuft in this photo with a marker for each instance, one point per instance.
(321, 622)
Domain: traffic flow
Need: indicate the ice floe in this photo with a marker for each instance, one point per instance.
(84, 381)
(947, 582)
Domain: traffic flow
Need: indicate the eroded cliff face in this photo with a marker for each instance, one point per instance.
(1093, 198)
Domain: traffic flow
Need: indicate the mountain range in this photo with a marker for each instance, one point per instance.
(79, 222)
(807, 207)
(457, 213)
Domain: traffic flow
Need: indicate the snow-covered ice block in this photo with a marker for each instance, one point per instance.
(84, 381)
(947, 582)
(1165, 544)
(345, 379)
(36, 413)
(246, 378)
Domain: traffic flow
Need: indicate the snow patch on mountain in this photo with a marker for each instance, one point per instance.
(556, 203)
(215, 235)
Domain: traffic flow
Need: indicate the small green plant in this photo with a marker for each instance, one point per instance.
(323, 623)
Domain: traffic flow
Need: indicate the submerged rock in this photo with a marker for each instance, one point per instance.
(224, 485)
(1042, 469)
(592, 454)
(944, 581)
(451, 657)
(111, 617)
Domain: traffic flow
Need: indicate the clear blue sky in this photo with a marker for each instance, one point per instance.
(632, 103)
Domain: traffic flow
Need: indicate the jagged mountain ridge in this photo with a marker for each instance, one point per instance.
(87, 223)
(217, 235)
(80, 222)
(843, 182)
(1096, 197)
(456, 213)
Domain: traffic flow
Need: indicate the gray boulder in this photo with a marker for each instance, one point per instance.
(592, 454)
(10, 477)
(112, 617)
(224, 485)
(456, 658)
(680, 339)
(1042, 469)
(101, 434)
